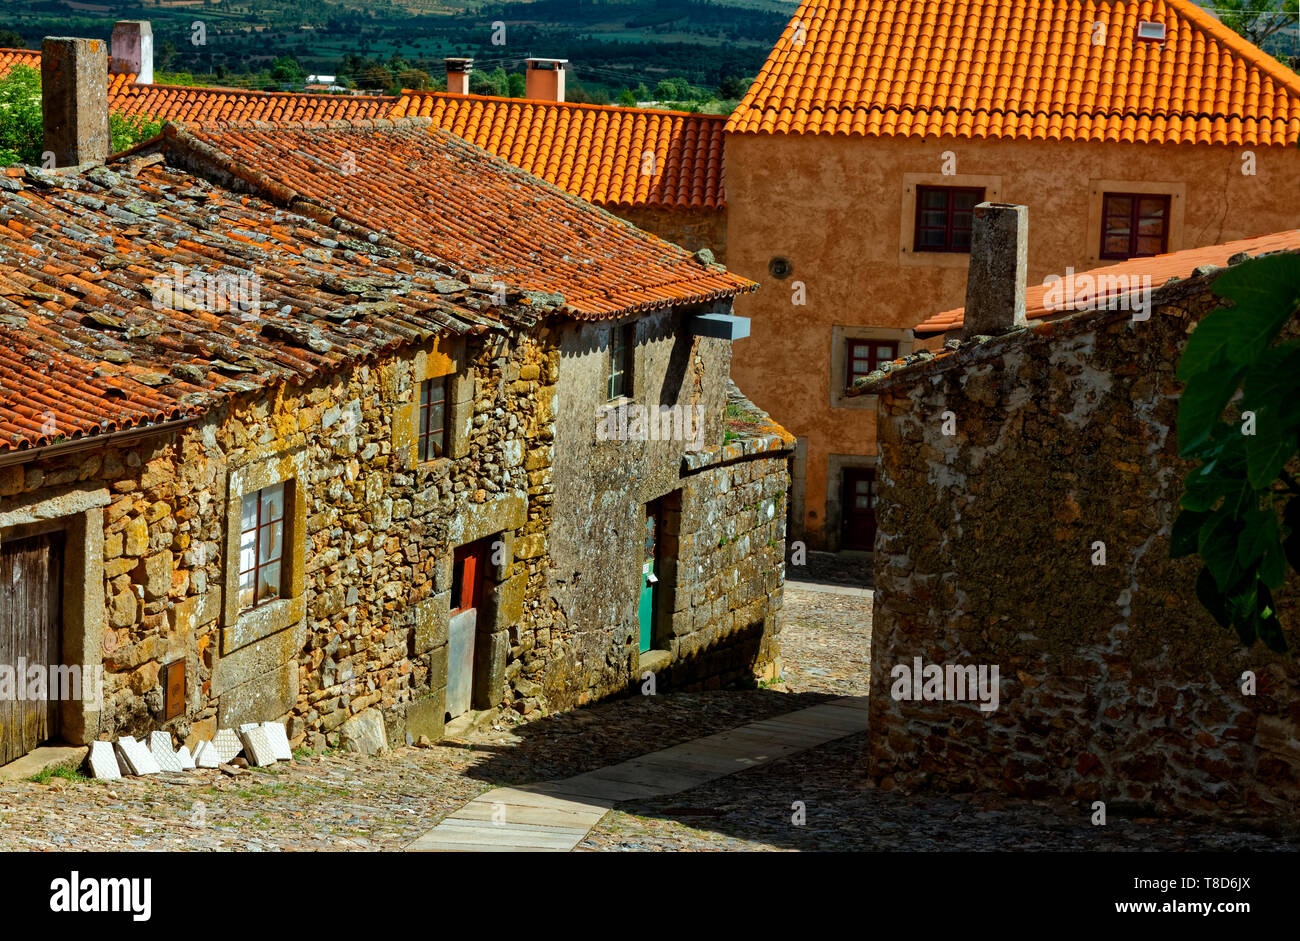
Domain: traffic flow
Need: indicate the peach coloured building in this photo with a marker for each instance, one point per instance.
(1130, 129)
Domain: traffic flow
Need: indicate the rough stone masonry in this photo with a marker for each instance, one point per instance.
(1116, 685)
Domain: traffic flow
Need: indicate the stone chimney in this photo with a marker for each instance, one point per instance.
(132, 52)
(458, 75)
(74, 99)
(544, 79)
(995, 284)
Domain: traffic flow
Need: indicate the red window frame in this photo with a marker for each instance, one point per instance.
(272, 528)
(1127, 224)
(873, 357)
(957, 225)
(432, 429)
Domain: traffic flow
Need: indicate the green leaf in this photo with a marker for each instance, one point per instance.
(1267, 624)
(1217, 544)
(1208, 342)
(1259, 532)
(1291, 520)
(1269, 449)
(1184, 538)
(1265, 292)
(1203, 401)
(1207, 592)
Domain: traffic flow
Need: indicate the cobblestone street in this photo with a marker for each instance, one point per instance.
(338, 801)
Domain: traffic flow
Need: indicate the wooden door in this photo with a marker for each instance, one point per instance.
(646, 607)
(466, 592)
(858, 529)
(31, 586)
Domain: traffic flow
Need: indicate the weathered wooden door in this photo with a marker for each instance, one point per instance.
(467, 579)
(646, 608)
(859, 508)
(31, 586)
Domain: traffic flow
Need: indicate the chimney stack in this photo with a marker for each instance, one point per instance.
(544, 79)
(458, 75)
(995, 284)
(74, 99)
(132, 52)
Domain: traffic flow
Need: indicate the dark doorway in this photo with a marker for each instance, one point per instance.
(858, 508)
(31, 586)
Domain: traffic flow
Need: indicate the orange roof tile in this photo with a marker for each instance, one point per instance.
(1105, 284)
(608, 155)
(186, 103)
(437, 195)
(11, 57)
(1020, 69)
(94, 340)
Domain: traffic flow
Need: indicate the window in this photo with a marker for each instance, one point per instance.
(622, 341)
(261, 546)
(1134, 225)
(865, 356)
(432, 434)
(944, 216)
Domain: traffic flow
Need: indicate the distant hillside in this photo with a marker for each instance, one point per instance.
(612, 44)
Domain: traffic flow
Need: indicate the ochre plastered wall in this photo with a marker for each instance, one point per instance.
(833, 206)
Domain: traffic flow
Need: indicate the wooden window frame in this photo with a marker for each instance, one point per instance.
(1134, 221)
(259, 526)
(620, 374)
(949, 193)
(873, 360)
(428, 438)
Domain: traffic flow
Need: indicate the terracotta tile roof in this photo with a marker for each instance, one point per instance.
(437, 195)
(593, 151)
(93, 341)
(11, 57)
(185, 103)
(1020, 69)
(1160, 269)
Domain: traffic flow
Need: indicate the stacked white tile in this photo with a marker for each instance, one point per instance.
(205, 755)
(160, 746)
(227, 745)
(136, 757)
(103, 763)
(258, 747)
(185, 759)
(279, 740)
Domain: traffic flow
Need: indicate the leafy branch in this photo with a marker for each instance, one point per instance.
(1240, 507)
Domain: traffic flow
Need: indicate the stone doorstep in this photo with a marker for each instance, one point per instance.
(46, 756)
(591, 785)
(515, 827)
(540, 795)
(427, 845)
(663, 776)
(473, 721)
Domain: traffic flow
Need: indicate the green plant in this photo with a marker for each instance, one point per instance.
(1240, 512)
(65, 771)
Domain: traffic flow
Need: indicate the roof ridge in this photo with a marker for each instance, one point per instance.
(562, 104)
(334, 124)
(1237, 43)
(223, 90)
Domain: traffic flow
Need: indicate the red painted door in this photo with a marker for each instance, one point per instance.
(858, 530)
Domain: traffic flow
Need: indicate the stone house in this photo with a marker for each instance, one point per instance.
(873, 128)
(1007, 460)
(334, 454)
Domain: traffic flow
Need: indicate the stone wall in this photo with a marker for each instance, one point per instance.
(365, 626)
(1115, 684)
(360, 638)
(692, 229)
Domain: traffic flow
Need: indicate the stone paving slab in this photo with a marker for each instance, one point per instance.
(557, 815)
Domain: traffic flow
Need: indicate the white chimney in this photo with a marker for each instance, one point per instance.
(544, 79)
(458, 75)
(132, 52)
